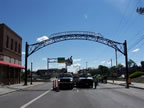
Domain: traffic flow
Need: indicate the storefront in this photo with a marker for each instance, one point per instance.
(10, 73)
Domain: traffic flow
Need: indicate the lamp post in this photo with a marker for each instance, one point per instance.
(31, 72)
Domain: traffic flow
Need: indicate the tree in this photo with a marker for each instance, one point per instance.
(131, 63)
(120, 69)
(93, 71)
(142, 65)
(103, 70)
(132, 66)
(113, 71)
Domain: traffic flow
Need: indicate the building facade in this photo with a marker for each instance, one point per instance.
(10, 55)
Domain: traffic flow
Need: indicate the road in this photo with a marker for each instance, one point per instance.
(105, 96)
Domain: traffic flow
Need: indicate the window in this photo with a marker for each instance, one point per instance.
(15, 46)
(11, 44)
(7, 42)
(19, 48)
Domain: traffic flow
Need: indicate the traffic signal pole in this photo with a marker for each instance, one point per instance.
(126, 63)
(26, 59)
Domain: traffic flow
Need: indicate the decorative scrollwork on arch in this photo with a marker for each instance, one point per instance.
(76, 35)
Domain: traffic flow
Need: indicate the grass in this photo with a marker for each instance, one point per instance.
(137, 80)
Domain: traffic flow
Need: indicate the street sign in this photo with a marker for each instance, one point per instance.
(61, 60)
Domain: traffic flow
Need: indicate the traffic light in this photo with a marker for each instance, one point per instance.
(69, 61)
(140, 10)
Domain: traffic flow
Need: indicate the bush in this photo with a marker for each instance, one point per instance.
(136, 74)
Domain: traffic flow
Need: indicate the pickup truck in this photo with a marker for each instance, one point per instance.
(85, 80)
(65, 80)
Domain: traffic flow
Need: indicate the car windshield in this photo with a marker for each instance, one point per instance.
(65, 75)
(85, 75)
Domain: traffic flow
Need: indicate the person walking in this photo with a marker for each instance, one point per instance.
(95, 79)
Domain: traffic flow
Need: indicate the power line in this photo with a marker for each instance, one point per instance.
(130, 21)
(122, 18)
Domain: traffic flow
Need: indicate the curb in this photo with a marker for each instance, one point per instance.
(19, 89)
(124, 85)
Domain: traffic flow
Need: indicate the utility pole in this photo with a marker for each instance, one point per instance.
(47, 63)
(86, 65)
(111, 72)
(111, 62)
(116, 56)
(126, 63)
(31, 72)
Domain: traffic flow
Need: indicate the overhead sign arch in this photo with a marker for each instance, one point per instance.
(77, 35)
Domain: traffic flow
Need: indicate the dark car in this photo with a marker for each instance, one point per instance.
(85, 80)
(65, 80)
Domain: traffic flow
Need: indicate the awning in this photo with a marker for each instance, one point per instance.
(11, 64)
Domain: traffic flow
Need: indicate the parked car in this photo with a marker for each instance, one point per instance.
(65, 80)
(85, 80)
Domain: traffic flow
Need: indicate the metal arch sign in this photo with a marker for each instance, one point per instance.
(77, 35)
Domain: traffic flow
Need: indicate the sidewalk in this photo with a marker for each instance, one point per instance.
(123, 83)
(11, 88)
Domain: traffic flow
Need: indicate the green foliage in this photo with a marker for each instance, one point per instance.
(93, 71)
(142, 64)
(103, 70)
(136, 74)
(131, 63)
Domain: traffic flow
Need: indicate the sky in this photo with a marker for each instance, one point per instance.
(117, 20)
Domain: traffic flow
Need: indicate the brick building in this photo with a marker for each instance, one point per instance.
(10, 55)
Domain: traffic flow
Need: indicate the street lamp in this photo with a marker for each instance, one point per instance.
(31, 72)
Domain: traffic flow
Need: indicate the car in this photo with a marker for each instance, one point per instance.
(65, 80)
(85, 80)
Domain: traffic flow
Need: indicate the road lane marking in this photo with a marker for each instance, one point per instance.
(77, 90)
(35, 99)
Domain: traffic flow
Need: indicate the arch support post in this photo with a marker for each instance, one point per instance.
(126, 63)
(26, 61)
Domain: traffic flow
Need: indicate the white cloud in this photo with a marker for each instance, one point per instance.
(40, 67)
(23, 53)
(76, 60)
(103, 62)
(109, 62)
(123, 64)
(85, 16)
(136, 50)
(76, 65)
(42, 38)
(61, 65)
(44, 59)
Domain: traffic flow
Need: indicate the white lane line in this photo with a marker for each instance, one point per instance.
(77, 90)
(30, 102)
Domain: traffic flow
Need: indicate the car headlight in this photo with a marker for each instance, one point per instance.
(71, 80)
(58, 80)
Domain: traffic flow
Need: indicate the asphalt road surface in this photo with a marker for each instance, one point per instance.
(105, 96)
